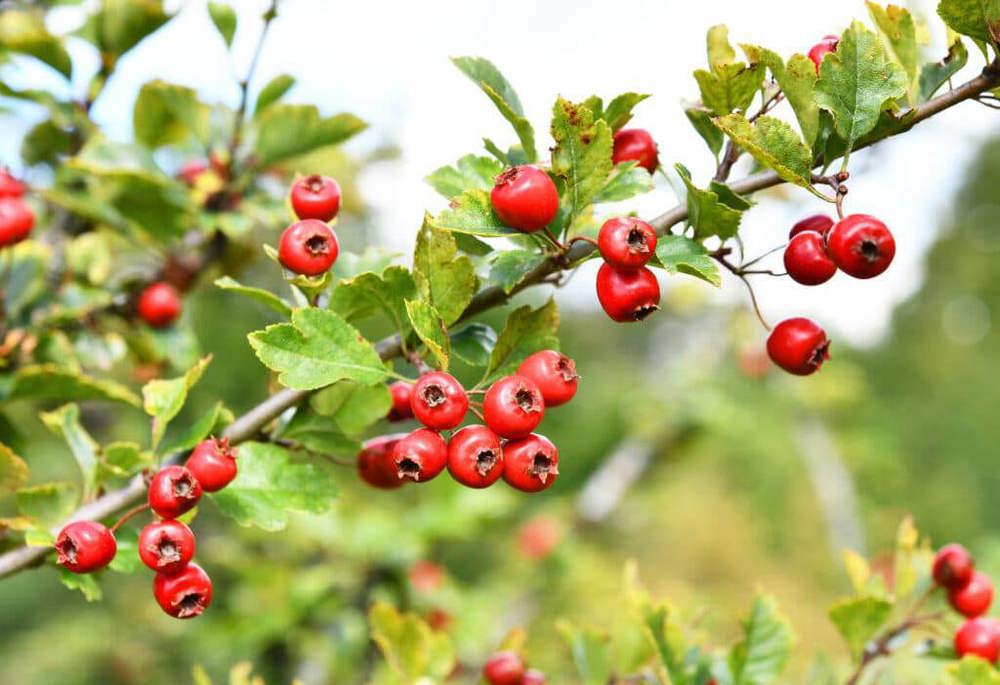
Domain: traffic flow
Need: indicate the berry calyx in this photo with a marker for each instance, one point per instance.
(513, 407)
(821, 223)
(419, 456)
(401, 392)
(504, 668)
(525, 198)
(822, 49)
(85, 546)
(9, 185)
(173, 491)
(635, 144)
(554, 374)
(798, 345)
(213, 464)
(980, 637)
(308, 247)
(159, 304)
(531, 464)
(806, 260)
(533, 677)
(16, 220)
(375, 465)
(185, 594)
(626, 242)
(974, 598)
(439, 401)
(953, 566)
(861, 246)
(316, 197)
(475, 458)
(166, 546)
(627, 296)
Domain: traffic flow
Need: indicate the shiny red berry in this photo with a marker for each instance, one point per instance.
(401, 410)
(533, 677)
(975, 597)
(504, 668)
(166, 546)
(308, 247)
(185, 594)
(513, 407)
(419, 456)
(439, 401)
(554, 373)
(953, 566)
(806, 260)
(821, 223)
(9, 185)
(626, 242)
(530, 464)
(213, 464)
(159, 304)
(822, 49)
(475, 458)
(635, 144)
(861, 246)
(16, 220)
(85, 546)
(316, 197)
(173, 491)
(627, 296)
(798, 345)
(980, 637)
(525, 198)
(375, 464)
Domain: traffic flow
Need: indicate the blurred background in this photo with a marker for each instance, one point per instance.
(683, 449)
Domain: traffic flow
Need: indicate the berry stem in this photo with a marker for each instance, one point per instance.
(129, 514)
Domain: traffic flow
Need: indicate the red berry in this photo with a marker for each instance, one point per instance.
(974, 598)
(166, 546)
(419, 456)
(626, 242)
(525, 198)
(953, 566)
(635, 144)
(308, 247)
(533, 677)
(439, 401)
(213, 464)
(185, 594)
(316, 197)
(627, 296)
(798, 345)
(85, 546)
(821, 223)
(475, 458)
(191, 170)
(173, 491)
(538, 537)
(159, 304)
(9, 185)
(554, 374)
(16, 220)
(822, 49)
(375, 465)
(504, 668)
(530, 464)
(806, 260)
(861, 246)
(979, 636)
(401, 409)
(513, 407)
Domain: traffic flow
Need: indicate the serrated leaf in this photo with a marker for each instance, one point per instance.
(224, 18)
(720, 52)
(761, 656)
(473, 343)
(729, 88)
(679, 254)
(164, 399)
(774, 144)
(857, 619)
(619, 110)
(667, 637)
(936, 74)
(979, 19)
(973, 670)
(899, 30)
(211, 422)
(430, 328)
(444, 277)
(352, 407)
(471, 172)
(166, 114)
(264, 297)
(707, 213)
(797, 80)
(65, 422)
(273, 91)
(287, 131)
(582, 155)
(85, 583)
(320, 434)
(368, 293)
(526, 331)
(701, 120)
(511, 266)
(414, 652)
(49, 504)
(122, 459)
(483, 73)
(24, 32)
(472, 213)
(13, 470)
(51, 382)
(628, 180)
(590, 651)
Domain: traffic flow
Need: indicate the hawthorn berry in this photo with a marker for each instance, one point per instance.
(173, 491)
(822, 49)
(426, 576)
(626, 242)
(419, 456)
(525, 198)
(401, 392)
(316, 197)
(533, 677)
(9, 185)
(16, 220)
(861, 246)
(974, 598)
(504, 668)
(166, 546)
(980, 637)
(531, 464)
(554, 374)
(475, 457)
(308, 247)
(375, 465)
(439, 401)
(635, 144)
(798, 345)
(513, 407)
(85, 546)
(185, 594)
(627, 296)
(821, 223)
(806, 260)
(953, 566)
(159, 304)
(213, 464)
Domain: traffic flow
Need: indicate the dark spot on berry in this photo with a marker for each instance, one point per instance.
(508, 175)
(541, 466)
(318, 244)
(637, 241)
(819, 355)
(67, 550)
(184, 487)
(869, 250)
(191, 604)
(168, 552)
(644, 311)
(526, 400)
(434, 395)
(566, 368)
(314, 183)
(408, 468)
(486, 460)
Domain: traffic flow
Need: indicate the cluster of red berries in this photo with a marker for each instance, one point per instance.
(309, 246)
(508, 668)
(859, 245)
(181, 587)
(970, 593)
(16, 217)
(476, 455)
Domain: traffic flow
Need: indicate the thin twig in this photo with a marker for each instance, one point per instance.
(129, 514)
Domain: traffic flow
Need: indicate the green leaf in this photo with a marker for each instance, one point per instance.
(414, 652)
(590, 652)
(797, 80)
(430, 328)
(679, 254)
(667, 637)
(65, 422)
(729, 85)
(701, 120)
(320, 434)
(774, 144)
(352, 407)
(127, 557)
(979, 19)
(471, 172)
(899, 30)
(209, 423)
(121, 24)
(47, 142)
(270, 485)
(472, 213)
(760, 657)
(168, 114)
(273, 91)
(444, 277)
(936, 74)
(224, 18)
(619, 111)
(526, 331)
(317, 348)
(582, 155)
(123, 459)
(265, 297)
(24, 32)
(483, 73)
(85, 583)
(13, 470)
(286, 131)
(972, 670)
(628, 180)
(473, 343)
(857, 619)
(48, 504)
(368, 293)
(511, 266)
(707, 213)
(164, 399)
